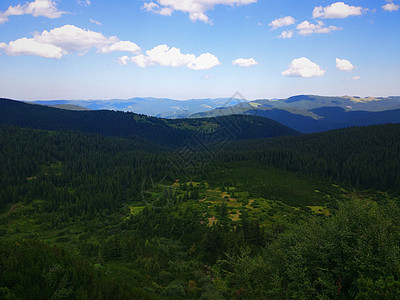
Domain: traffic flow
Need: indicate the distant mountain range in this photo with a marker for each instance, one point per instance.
(156, 107)
(308, 113)
(304, 113)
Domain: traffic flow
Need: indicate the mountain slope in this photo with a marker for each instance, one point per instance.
(309, 102)
(328, 118)
(69, 107)
(365, 157)
(112, 123)
(309, 114)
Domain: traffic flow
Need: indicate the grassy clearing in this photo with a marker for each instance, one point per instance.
(135, 210)
(320, 210)
(273, 184)
(265, 194)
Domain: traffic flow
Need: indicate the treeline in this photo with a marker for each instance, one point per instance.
(362, 157)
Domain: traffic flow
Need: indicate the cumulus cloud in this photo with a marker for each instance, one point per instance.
(195, 8)
(245, 62)
(338, 10)
(303, 67)
(390, 6)
(122, 46)
(285, 21)
(66, 40)
(37, 8)
(162, 55)
(344, 65)
(74, 39)
(286, 34)
(27, 46)
(307, 28)
(155, 8)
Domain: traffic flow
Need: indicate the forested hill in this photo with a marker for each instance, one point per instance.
(365, 157)
(114, 123)
(86, 216)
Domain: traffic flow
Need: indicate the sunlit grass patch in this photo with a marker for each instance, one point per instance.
(319, 210)
(234, 215)
(134, 210)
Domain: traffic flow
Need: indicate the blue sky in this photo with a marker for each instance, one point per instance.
(185, 49)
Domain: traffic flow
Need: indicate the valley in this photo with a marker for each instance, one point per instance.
(86, 215)
(199, 150)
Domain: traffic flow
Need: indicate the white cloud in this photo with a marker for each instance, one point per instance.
(27, 46)
(65, 40)
(286, 34)
(84, 2)
(205, 61)
(162, 55)
(75, 39)
(245, 62)
(37, 8)
(390, 7)
(344, 65)
(3, 18)
(303, 67)
(356, 77)
(307, 28)
(95, 22)
(195, 8)
(285, 21)
(122, 46)
(337, 10)
(155, 8)
(123, 60)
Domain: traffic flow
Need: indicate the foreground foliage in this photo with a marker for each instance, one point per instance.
(354, 254)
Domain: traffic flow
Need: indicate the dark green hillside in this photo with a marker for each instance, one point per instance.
(76, 172)
(88, 216)
(366, 157)
(112, 123)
